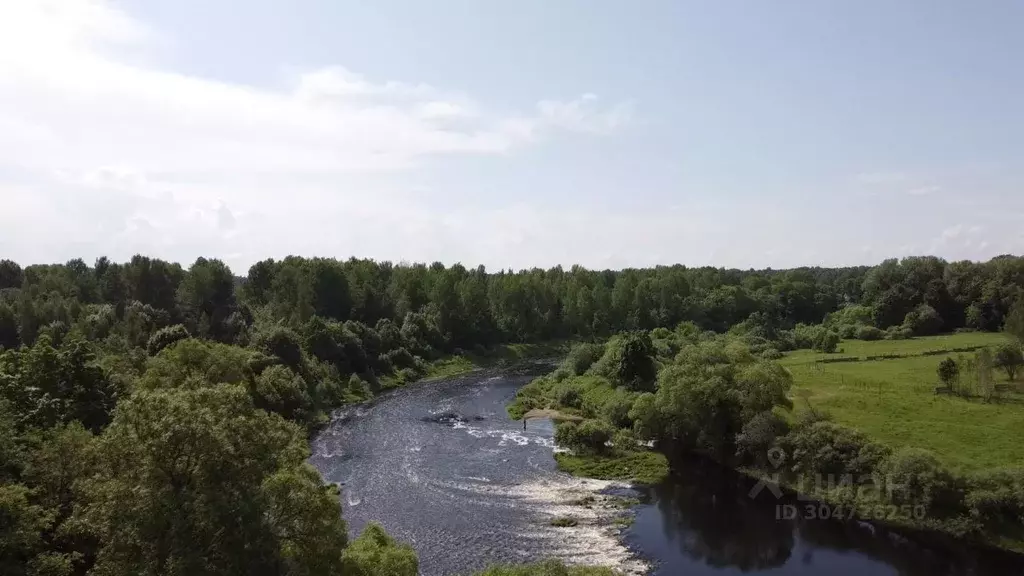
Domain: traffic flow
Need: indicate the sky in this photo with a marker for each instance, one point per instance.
(512, 134)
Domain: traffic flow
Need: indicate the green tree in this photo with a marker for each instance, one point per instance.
(9, 338)
(949, 372)
(374, 553)
(1014, 325)
(199, 481)
(1010, 358)
(164, 337)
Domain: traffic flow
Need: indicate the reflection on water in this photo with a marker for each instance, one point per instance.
(702, 521)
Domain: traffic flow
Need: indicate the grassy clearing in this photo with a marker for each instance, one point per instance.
(894, 402)
(539, 413)
(638, 467)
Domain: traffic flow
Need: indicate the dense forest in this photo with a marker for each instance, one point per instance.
(154, 419)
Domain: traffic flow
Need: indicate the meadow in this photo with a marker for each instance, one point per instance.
(893, 400)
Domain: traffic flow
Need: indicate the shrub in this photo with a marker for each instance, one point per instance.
(827, 342)
(568, 395)
(848, 331)
(280, 390)
(624, 439)
(806, 336)
(628, 361)
(869, 333)
(923, 321)
(916, 478)
(771, 354)
(582, 356)
(898, 333)
(825, 448)
(164, 337)
(996, 499)
(284, 343)
(759, 435)
(586, 436)
(948, 371)
(1009, 358)
(400, 358)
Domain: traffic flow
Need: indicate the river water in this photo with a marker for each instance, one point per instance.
(442, 467)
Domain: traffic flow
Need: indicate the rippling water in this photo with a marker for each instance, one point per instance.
(442, 467)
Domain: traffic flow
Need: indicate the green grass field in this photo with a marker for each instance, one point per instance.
(894, 400)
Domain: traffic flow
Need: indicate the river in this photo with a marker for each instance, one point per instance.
(442, 467)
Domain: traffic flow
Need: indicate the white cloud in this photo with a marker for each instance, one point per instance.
(91, 135)
(876, 178)
(923, 190)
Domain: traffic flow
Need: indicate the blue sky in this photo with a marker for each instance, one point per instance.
(512, 134)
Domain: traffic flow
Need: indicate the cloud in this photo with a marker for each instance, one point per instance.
(923, 190)
(876, 178)
(105, 151)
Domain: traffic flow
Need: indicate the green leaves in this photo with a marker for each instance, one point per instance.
(374, 553)
(199, 481)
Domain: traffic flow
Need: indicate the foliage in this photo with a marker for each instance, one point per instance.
(588, 436)
(923, 320)
(582, 356)
(628, 361)
(200, 470)
(374, 553)
(225, 490)
(826, 341)
(948, 371)
(1010, 358)
(1015, 321)
(825, 448)
(166, 336)
(636, 466)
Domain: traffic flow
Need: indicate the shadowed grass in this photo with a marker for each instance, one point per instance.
(638, 467)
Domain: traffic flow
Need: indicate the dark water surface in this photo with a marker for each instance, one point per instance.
(442, 467)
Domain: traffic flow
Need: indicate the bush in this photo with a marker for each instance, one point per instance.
(284, 343)
(996, 499)
(848, 331)
(759, 435)
(588, 436)
(628, 361)
(281, 391)
(806, 336)
(898, 333)
(569, 395)
(825, 448)
(948, 371)
(916, 478)
(923, 321)
(771, 354)
(400, 358)
(624, 439)
(827, 342)
(869, 333)
(1009, 358)
(164, 337)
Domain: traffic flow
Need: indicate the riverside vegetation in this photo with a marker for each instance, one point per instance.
(154, 418)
